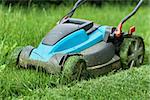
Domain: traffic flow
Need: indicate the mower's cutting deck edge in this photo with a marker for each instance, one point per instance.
(113, 64)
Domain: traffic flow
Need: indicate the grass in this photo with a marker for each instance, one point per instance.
(27, 26)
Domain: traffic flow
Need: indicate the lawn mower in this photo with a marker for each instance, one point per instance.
(77, 48)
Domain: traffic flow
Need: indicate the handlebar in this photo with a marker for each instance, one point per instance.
(119, 28)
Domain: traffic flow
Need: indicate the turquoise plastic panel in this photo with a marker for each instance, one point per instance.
(73, 43)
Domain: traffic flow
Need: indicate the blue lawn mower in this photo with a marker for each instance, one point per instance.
(78, 47)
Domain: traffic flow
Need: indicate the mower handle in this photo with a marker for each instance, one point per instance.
(77, 4)
(119, 28)
(70, 14)
(133, 12)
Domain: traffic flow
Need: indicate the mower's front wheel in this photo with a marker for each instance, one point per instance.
(15, 55)
(24, 56)
(73, 68)
(132, 52)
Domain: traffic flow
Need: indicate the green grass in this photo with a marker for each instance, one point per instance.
(27, 26)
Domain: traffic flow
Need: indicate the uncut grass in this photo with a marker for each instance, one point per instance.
(20, 27)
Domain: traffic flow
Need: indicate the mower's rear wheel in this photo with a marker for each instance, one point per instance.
(73, 68)
(132, 52)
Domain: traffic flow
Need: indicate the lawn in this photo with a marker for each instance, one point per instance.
(20, 26)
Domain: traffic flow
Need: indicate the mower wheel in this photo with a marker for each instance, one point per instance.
(24, 55)
(132, 52)
(73, 68)
(15, 55)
